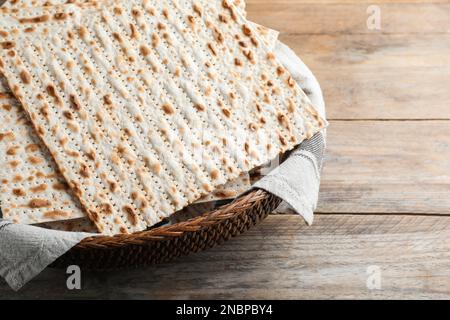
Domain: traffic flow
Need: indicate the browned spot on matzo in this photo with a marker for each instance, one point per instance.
(130, 214)
(212, 48)
(12, 151)
(7, 135)
(106, 208)
(14, 163)
(38, 19)
(51, 91)
(19, 192)
(145, 51)
(25, 76)
(60, 16)
(55, 214)
(32, 147)
(35, 160)
(168, 109)
(247, 31)
(74, 102)
(39, 203)
(7, 44)
(60, 186)
(198, 9)
(39, 188)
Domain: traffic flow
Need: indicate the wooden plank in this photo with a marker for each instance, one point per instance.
(282, 258)
(397, 93)
(372, 51)
(388, 167)
(350, 18)
(380, 76)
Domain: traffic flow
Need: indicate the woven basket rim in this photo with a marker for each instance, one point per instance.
(206, 219)
(166, 243)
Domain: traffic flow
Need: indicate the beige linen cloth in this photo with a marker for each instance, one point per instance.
(26, 250)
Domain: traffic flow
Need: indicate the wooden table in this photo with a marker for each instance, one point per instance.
(385, 198)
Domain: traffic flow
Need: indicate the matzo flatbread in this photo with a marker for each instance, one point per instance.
(86, 225)
(125, 120)
(31, 189)
(30, 215)
(36, 3)
(269, 36)
(229, 190)
(69, 208)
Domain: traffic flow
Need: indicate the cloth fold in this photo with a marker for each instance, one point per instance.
(26, 250)
(297, 180)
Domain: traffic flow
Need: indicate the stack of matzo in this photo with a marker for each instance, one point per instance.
(44, 207)
(144, 107)
(32, 204)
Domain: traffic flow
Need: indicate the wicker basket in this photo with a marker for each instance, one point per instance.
(165, 243)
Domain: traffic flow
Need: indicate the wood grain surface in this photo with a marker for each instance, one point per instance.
(296, 17)
(380, 76)
(385, 197)
(387, 167)
(284, 259)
